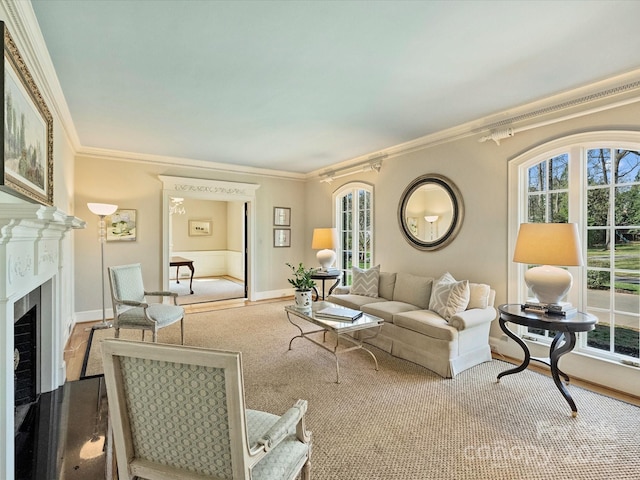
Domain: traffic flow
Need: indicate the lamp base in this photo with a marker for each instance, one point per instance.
(549, 284)
(326, 258)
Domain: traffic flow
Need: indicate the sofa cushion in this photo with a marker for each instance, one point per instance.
(479, 295)
(386, 310)
(427, 323)
(353, 301)
(386, 285)
(449, 296)
(412, 289)
(365, 282)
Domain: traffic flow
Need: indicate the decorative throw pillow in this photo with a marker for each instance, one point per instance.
(365, 282)
(449, 296)
(479, 297)
(412, 289)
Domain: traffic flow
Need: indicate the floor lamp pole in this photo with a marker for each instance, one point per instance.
(102, 210)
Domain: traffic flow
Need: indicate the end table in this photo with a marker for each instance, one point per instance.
(324, 276)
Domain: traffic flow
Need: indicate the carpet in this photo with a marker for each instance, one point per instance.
(404, 422)
(210, 289)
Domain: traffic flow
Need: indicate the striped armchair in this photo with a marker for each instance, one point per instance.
(179, 412)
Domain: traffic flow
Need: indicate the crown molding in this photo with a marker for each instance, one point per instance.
(25, 31)
(117, 155)
(606, 94)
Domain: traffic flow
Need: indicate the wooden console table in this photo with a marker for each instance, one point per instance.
(183, 262)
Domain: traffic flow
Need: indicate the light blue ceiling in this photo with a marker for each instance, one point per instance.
(300, 85)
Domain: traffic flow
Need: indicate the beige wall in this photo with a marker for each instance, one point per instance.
(213, 211)
(136, 185)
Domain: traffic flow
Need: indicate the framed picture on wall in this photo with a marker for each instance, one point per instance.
(281, 237)
(282, 216)
(121, 225)
(27, 160)
(199, 228)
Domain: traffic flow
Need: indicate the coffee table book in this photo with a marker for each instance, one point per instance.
(339, 313)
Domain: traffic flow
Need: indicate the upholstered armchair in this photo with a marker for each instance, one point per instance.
(179, 412)
(130, 306)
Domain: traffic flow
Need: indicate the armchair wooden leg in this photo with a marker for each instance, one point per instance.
(155, 336)
(306, 471)
(182, 331)
(143, 335)
(117, 335)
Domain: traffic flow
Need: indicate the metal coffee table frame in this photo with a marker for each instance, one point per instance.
(338, 328)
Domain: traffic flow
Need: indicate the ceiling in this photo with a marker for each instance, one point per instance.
(296, 86)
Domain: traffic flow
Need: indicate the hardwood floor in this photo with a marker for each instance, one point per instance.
(77, 345)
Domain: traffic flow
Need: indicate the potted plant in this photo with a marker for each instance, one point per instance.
(303, 283)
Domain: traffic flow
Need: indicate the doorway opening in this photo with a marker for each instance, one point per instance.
(208, 239)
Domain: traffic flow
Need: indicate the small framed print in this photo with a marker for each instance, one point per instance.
(282, 216)
(281, 237)
(199, 228)
(121, 225)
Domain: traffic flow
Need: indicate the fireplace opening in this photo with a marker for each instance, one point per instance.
(26, 370)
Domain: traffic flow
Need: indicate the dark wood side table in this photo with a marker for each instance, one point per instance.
(564, 341)
(183, 262)
(324, 276)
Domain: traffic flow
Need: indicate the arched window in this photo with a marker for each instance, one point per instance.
(592, 180)
(354, 222)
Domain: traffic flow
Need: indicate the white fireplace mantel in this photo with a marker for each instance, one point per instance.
(32, 254)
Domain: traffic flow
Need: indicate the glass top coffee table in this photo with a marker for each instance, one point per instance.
(338, 328)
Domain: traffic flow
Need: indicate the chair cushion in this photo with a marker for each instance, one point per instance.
(353, 301)
(365, 282)
(386, 284)
(162, 314)
(284, 460)
(427, 323)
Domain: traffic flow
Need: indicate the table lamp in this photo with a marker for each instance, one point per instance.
(548, 245)
(325, 240)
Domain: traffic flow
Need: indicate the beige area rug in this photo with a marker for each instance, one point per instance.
(211, 289)
(404, 422)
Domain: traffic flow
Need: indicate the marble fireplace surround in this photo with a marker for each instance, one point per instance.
(32, 254)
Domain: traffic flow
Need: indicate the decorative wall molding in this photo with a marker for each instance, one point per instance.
(180, 185)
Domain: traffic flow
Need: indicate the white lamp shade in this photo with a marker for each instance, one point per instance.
(431, 218)
(102, 208)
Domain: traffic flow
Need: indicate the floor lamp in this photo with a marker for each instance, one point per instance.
(102, 210)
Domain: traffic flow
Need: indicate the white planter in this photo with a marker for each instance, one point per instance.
(303, 299)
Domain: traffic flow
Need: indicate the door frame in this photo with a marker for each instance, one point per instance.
(205, 189)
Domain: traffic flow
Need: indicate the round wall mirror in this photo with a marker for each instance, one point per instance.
(430, 212)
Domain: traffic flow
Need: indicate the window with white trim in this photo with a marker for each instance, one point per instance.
(354, 222)
(596, 184)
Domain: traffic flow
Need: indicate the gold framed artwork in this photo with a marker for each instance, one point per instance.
(199, 228)
(121, 225)
(282, 216)
(281, 237)
(27, 161)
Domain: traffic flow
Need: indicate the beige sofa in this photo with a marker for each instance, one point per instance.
(415, 332)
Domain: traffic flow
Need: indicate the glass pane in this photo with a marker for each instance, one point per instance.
(627, 250)
(537, 177)
(559, 208)
(536, 331)
(559, 172)
(626, 295)
(598, 288)
(627, 205)
(626, 341)
(537, 209)
(599, 166)
(598, 254)
(600, 338)
(598, 207)
(628, 166)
